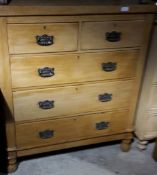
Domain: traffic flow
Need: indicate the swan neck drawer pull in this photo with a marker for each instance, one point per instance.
(46, 134)
(46, 72)
(105, 97)
(113, 36)
(46, 104)
(44, 40)
(110, 66)
(102, 125)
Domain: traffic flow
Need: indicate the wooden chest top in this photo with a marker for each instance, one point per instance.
(71, 7)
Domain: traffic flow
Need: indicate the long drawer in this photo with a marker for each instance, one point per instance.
(70, 129)
(40, 38)
(111, 34)
(42, 70)
(71, 100)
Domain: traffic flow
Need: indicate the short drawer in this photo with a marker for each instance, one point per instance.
(43, 70)
(71, 100)
(70, 129)
(114, 34)
(38, 38)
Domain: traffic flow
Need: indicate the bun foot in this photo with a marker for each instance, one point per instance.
(125, 145)
(12, 166)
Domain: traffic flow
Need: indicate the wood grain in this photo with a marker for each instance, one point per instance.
(93, 34)
(72, 68)
(71, 100)
(80, 143)
(70, 129)
(78, 51)
(22, 37)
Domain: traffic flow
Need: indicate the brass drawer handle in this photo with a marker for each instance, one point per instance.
(46, 104)
(102, 125)
(110, 66)
(46, 134)
(113, 36)
(44, 40)
(105, 97)
(46, 72)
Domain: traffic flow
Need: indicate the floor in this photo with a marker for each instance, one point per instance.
(104, 159)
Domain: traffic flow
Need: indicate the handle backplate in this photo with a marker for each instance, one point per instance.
(46, 134)
(102, 125)
(46, 104)
(105, 97)
(44, 40)
(113, 36)
(109, 66)
(46, 72)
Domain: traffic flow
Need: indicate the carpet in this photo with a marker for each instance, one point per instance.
(60, 165)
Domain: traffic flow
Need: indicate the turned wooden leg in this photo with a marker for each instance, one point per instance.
(126, 145)
(155, 151)
(142, 144)
(12, 162)
(12, 165)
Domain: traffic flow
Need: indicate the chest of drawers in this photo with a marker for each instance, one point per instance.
(146, 117)
(70, 73)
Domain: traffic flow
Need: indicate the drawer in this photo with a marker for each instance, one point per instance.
(57, 69)
(70, 129)
(114, 34)
(38, 38)
(71, 100)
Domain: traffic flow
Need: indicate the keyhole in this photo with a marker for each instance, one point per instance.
(44, 27)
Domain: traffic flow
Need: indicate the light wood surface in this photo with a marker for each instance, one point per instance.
(93, 34)
(73, 19)
(5, 78)
(70, 129)
(22, 38)
(79, 48)
(71, 100)
(66, 145)
(72, 68)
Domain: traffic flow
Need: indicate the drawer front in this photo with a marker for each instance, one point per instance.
(70, 129)
(49, 69)
(114, 34)
(71, 100)
(38, 38)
